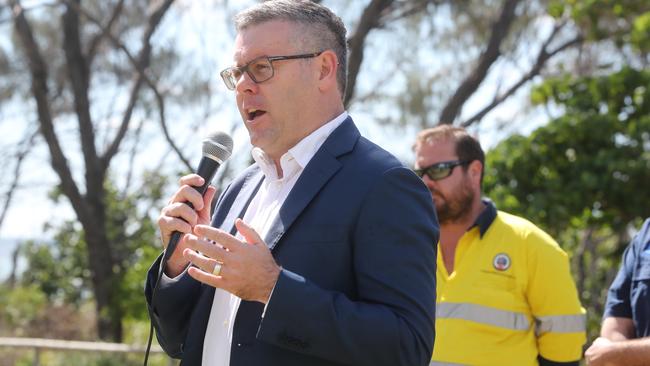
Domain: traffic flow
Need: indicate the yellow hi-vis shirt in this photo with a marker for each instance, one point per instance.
(510, 297)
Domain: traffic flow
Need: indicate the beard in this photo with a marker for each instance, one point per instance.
(455, 206)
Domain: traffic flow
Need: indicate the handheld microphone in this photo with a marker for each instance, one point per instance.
(217, 148)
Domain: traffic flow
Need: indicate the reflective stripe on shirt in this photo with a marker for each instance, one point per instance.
(560, 324)
(482, 314)
(510, 319)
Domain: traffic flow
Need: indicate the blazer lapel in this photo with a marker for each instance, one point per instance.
(318, 171)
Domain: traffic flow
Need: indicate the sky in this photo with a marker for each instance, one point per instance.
(206, 36)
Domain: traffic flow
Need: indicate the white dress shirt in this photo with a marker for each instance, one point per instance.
(260, 214)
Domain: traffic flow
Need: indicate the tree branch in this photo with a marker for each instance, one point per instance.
(132, 156)
(488, 57)
(150, 83)
(369, 20)
(411, 8)
(24, 148)
(38, 71)
(163, 124)
(141, 65)
(78, 73)
(542, 57)
(104, 31)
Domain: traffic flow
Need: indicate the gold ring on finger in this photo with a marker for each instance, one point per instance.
(217, 269)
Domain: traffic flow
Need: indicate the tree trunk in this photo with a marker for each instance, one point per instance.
(90, 208)
(370, 19)
(101, 261)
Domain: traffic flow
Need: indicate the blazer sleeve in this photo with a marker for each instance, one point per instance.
(171, 307)
(175, 299)
(392, 320)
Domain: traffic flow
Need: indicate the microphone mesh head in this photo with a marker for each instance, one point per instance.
(217, 146)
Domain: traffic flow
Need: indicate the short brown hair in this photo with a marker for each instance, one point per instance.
(467, 146)
(323, 29)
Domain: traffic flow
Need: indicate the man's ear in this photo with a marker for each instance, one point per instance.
(475, 170)
(327, 69)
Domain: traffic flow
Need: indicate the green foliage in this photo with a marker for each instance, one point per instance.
(60, 268)
(624, 21)
(20, 306)
(589, 163)
(584, 176)
(26, 312)
(135, 236)
(132, 284)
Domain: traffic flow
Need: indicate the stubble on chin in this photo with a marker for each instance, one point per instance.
(454, 208)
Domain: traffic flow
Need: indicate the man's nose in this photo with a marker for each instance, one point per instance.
(245, 84)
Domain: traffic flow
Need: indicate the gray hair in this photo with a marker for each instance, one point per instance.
(323, 29)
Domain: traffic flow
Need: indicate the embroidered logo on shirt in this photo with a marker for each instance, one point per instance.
(501, 262)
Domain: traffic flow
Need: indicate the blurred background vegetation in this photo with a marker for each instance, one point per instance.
(557, 90)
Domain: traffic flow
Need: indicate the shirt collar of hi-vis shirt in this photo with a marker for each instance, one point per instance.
(487, 216)
(509, 299)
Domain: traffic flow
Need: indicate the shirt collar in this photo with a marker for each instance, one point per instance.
(307, 147)
(302, 152)
(487, 216)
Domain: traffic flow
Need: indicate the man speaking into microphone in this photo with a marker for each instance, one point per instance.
(323, 251)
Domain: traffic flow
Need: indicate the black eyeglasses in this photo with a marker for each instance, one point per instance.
(440, 170)
(259, 70)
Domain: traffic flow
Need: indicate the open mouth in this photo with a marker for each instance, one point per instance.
(252, 114)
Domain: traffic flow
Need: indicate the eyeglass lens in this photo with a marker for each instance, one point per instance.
(259, 70)
(437, 172)
(440, 170)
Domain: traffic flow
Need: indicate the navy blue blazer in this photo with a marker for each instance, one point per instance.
(356, 238)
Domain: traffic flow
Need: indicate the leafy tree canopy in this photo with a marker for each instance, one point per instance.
(625, 21)
(592, 162)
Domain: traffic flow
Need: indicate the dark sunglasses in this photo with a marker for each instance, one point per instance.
(440, 170)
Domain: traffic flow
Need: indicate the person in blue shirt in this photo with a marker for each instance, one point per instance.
(625, 333)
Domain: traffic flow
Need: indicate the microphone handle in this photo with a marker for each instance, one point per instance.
(207, 169)
(176, 237)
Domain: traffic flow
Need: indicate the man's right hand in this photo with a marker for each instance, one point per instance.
(599, 353)
(178, 216)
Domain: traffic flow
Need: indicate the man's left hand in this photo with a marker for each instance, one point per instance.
(248, 269)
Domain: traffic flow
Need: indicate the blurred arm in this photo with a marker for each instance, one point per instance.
(615, 347)
(617, 329)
